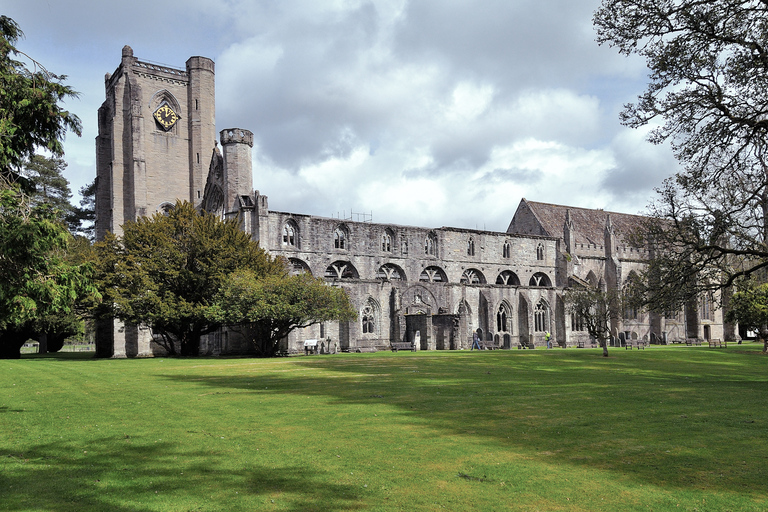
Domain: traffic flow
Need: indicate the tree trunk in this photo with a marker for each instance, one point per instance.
(604, 345)
(11, 343)
(190, 344)
(55, 341)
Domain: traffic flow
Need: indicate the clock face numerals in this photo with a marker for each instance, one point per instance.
(166, 117)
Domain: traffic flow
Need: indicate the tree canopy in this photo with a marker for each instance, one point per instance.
(708, 97)
(277, 304)
(165, 272)
(40, 290)
(31, 114)
(37, 283)
(749, 307)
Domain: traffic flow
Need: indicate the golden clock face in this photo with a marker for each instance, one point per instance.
(166, 117)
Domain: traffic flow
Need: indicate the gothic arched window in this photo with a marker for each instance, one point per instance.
(471, 247)
(340, 238)
(540, 251)
(541, 317)
(430, 245)
(289, 235)
(386, 242)
(506, 250)
(502, 319)
(368, 317)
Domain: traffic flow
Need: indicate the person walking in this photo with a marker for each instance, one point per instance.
(475, 341)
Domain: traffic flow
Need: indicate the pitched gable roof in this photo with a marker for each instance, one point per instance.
(588, 224)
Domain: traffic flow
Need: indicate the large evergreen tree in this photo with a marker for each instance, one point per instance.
(165, 272)
(31, 115)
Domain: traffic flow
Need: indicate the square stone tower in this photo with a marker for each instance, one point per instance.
(156, 136)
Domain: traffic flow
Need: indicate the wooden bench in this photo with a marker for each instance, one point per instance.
(488, 345)
(638, 344)
(586, 344)
(402, 345)
(717, 344)
(692, 341)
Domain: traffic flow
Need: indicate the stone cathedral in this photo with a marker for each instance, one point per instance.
(434, 286)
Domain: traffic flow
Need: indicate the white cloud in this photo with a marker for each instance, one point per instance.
(443, 113)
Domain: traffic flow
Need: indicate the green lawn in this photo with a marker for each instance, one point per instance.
(668, 428)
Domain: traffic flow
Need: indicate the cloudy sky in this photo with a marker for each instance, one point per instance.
(429, 113)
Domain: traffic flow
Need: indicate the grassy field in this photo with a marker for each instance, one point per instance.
(668, 428)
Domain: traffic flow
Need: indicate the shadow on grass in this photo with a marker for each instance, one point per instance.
(690, 420)
(120, 475)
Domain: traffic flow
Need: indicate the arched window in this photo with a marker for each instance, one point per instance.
(386, 241)
(577, 322)
(541, 317)
(404, 247)
(390, 272)
(433, 275)
(506, 250)
(508, 278)
(472, 276)
(540, 251)
(430, 245)
(629, 290)
(290, 238)
(368, 317)
(540, 279)
(503, 315)
(340, 238)
(166, 208)
(341, 270)
(706, 307)
(297, 266)
(471, 247)
(166, 111)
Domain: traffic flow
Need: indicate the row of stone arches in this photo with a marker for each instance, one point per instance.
(431, 274)
(290, 237)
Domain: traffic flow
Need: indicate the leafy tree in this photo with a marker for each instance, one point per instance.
(749, 307)
(31, 116)
(278, 304)
(708, 97)
(596, 308)
(36, 282)
(166, 270)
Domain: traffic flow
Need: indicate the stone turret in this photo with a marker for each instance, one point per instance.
(238, 168)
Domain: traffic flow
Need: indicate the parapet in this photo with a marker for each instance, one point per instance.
(236, 136)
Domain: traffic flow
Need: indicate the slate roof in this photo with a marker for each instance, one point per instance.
(588, 224)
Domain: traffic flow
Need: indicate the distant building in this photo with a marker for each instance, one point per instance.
(434, 286)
